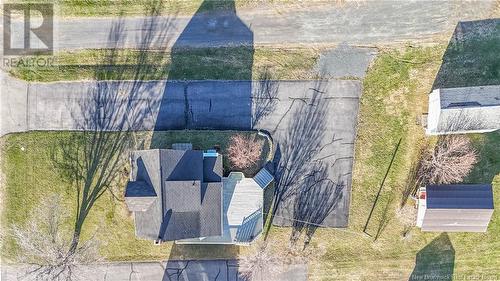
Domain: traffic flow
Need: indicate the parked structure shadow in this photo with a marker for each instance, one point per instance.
(183, 263)
(488, 165)
(472, 57)
(436, 261)
(211, 104)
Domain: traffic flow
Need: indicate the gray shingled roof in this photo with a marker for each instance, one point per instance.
(180, 165)
(212, 169)
(186, 205)
(470, 96)
(139, 188)
(211, 209)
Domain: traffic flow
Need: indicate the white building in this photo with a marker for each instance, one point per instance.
(464, 110)
(455, 207)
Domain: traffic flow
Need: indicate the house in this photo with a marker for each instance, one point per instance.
(182, 196)
(464, 110)
(455, 208)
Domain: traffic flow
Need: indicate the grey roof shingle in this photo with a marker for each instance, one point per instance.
(212, 169)
(182, 196)
(186, 206)
(139, 188)
(180, 165)
(211, 209)
(470, 96)
(180, 225)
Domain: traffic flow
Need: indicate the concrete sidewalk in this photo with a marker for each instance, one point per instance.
(191, 270)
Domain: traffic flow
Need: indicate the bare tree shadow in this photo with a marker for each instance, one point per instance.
(296, 153)
(317, 199)
(472, 56)
(265, 96)
(412, 179)
(93, 157)
(436, 261)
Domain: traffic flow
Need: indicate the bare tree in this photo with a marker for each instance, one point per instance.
(261, 264)
(244, 151)
(451, 161)
(45, 244)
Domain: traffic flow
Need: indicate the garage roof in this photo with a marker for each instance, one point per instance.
(460, 196)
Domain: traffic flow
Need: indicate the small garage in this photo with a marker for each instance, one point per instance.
(455, 207)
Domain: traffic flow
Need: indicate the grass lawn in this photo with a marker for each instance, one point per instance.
(31, 174)
(395, 94)
(109, 8)
(236, 63)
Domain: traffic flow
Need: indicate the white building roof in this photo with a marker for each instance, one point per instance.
(464, 110)
(470, 96)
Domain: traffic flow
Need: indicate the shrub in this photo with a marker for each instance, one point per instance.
(244, 151)
(450, 162)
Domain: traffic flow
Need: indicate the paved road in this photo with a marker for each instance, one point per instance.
(194, 270)
(356, 22)
(313, 123)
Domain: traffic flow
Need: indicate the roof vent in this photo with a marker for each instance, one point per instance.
(210, 153)
(464, 104)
